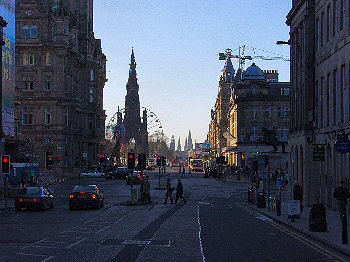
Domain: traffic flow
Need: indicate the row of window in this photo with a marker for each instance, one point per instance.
(32, 32)
(29, 58)
(332, 96)
(283, 112)
(254, 135)
(331, 22)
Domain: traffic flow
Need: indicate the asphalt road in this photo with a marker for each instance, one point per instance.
(214, 225)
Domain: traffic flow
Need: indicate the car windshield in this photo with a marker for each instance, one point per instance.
(31, 191)
(88, 188)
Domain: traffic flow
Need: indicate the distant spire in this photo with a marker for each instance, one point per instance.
(178, 145)
(132, 70)
(189, 141)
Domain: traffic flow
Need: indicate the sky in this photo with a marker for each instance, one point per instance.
(176, 43)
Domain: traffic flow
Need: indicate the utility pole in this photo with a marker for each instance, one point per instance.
(3, 24)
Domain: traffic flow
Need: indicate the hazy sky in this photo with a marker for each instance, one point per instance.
(176, 44)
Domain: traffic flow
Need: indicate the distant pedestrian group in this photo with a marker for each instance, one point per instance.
(179, 192)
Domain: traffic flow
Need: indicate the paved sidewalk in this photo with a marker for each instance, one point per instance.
(10, 204)
(333, 237)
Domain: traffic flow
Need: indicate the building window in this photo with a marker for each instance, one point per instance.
(66, 159)
(342, 15)
(328, 103)
(66, 117)
(92, 75)
(48, 84)
(48, 140)
(322, 29)
(268, 112)
(285, 91)
(28, 58)
(280, 112)
(90, 124)
(48, 116)
(48, 58)
(328, 23)
(335, 97)
(29, 31)
(335, 17)
(321, 103)
(286, 112)
(27, 116)
(254, 112)
(254, 136)
(317, 38)
(28, 86)
(91, 95)
(285, 134)
(342, 96)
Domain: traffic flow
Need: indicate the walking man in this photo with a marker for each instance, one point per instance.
(180, 192)
(298, 194)
(169, 192)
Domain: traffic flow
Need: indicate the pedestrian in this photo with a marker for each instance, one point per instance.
(298, 194)
(169, 192)
(341, 193)
(183, 171)
(180, 192)
(179, 168)
(147, 190)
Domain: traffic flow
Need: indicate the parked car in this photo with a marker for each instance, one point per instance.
(34, 198)
(91, 173)
(120, 172)
(86, 196)
(135, 178)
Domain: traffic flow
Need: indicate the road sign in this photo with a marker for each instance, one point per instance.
(293, 207)
(342, 145)
(318, 153)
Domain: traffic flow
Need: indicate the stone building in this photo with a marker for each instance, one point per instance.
(320, 70)
(60, 76)
(258, 118)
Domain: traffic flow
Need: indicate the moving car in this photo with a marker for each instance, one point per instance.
(135, 178)
(91, 173)
(120, 172)
(86, 196)
(34, 198)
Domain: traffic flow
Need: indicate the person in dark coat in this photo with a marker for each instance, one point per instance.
(298, 194)
(180, 192)
(341, 193)
(169, 192)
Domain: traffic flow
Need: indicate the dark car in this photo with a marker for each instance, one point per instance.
(34, 198)
(118, 173)
(86, 196)
(134, 178)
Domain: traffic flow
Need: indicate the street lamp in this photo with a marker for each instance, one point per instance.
(3, 24)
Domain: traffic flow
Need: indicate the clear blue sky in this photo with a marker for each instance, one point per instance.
(176, 44)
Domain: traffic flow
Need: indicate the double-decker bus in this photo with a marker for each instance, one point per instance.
(195, 164)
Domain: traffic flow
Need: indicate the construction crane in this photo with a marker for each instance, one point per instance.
(242, 57)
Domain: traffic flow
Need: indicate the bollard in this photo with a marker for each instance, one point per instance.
(249, 197)
(344, 229)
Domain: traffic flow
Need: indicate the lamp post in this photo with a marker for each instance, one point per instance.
(3, 24)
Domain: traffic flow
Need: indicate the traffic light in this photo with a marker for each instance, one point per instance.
(163, 161)
(49, 161)
(159, 161)
(102, 157)
(144, 162)
(131, 160)
(266, 161)
(58, 159)
(141, 162)
(5, 164)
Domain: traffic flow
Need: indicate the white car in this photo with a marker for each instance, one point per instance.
(91, 173)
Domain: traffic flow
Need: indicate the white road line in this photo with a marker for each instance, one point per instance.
(99, 231)
(58, 242)
(27, 254)
(199, 234)
(68, 230)
(47, 259)
(120, 219)
(43, 247)
(76, 243)
(204, 203)
(33, 243)
(90, 220)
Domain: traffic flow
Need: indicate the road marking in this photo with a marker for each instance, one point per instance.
(120, 219)
(311, 243)
(136, 242)
(76, 243)
(200, 233)
(86, 222)
(204, 203)
(99, 231)
(27, 254)
(43, 247)
(47, 259)
(33, 243)
(264, 218)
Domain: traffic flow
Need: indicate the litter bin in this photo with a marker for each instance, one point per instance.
(260, 200)
(318, 218)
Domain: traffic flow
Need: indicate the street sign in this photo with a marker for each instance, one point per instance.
(293, 207)
(318, 153)
(342, 145)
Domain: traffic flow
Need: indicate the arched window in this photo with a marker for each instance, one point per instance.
(286, 112)
(25, 31)
(34, 32)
